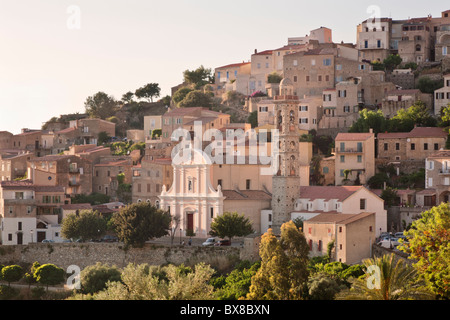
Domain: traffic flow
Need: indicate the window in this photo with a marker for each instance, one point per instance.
(339, 67)
(444, 51)
(386, 147)
(247, 184)
(397, 146)
(310, 245)
(9, 236)
(313, 62)
(295, 63)
(327, 62)
(219, 182)
(378, 43)
(340, 229)
(425, 146)
(342, 159)
(307, 78)
(303, 108)
(362, 67)
(19, 226)
(327, 78)
(212, 212)
(29, 209)
(148, 187)
(326, 170)
(436, 146)
(319, 78)
(19, 196)
(295, 78)
(319, 247)
(366, 44)
(362, 204)
(346, 109)
(370, 229)
(413, 146)
(341, 173)
(139, 187)
(359, 159)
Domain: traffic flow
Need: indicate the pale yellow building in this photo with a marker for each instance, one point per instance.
(354, 152)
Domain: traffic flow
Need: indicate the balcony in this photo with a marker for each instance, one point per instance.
(348, 151)
(74, 183)
(13, 202)
(74, 170)
(444, 172)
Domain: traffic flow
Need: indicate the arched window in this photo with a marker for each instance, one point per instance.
(418, 47)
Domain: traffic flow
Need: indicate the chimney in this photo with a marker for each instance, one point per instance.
(256, 51)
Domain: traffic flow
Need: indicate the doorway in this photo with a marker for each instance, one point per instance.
(19, 238)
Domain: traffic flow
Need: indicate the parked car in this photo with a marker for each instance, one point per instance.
(223, 243)
(109, 238)
(47, 241)
(209, 242)
(389, 243)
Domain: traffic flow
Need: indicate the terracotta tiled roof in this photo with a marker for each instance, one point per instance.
(393, 135)
(339, 218)
(246, 195)
(353, 136)
(77, 206)
(440, 154)
(234, 65)
(424, 132)
(266, 52)
(113, 163)
(427, 192)
(327, 193)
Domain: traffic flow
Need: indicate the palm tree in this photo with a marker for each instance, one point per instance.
(397, 281)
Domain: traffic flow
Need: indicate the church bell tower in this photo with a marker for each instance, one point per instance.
(286, 181)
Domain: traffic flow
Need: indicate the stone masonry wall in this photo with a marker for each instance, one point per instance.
(86, 254)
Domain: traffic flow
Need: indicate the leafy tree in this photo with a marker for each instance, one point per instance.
(416, 115)
(397, 281)
(166, 100)
(429, 245)
(392, 61)
(11, 273)
(274, 78)
(389, 196)
(149, 91)
(283, 274)
(370, 120)
(237, 284)
(196, 98)
(143, 282)
(140, 222)
(127, 97)
(103, 137)
(86, 225)
(100, 106)
(323, 287)
(180, 94)
(94, 278)
(426, 85)
(93, 198)
(231, 224)
(198, 77)
(253, 119)
(49, 274)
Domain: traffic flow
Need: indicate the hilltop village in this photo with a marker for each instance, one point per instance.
(349, 138)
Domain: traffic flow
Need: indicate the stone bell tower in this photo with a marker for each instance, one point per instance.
(286, 182)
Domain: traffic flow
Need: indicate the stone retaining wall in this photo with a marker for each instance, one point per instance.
(85, 254)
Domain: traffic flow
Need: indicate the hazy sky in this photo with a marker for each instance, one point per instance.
(56, 53)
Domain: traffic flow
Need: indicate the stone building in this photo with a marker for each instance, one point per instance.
(14, 166)
(105, 178)
(71, 172)
(437, 175)
(233, 77)
(374, 38)
(353, 236)
(442, 96)
(29, 213)
(354, 152)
